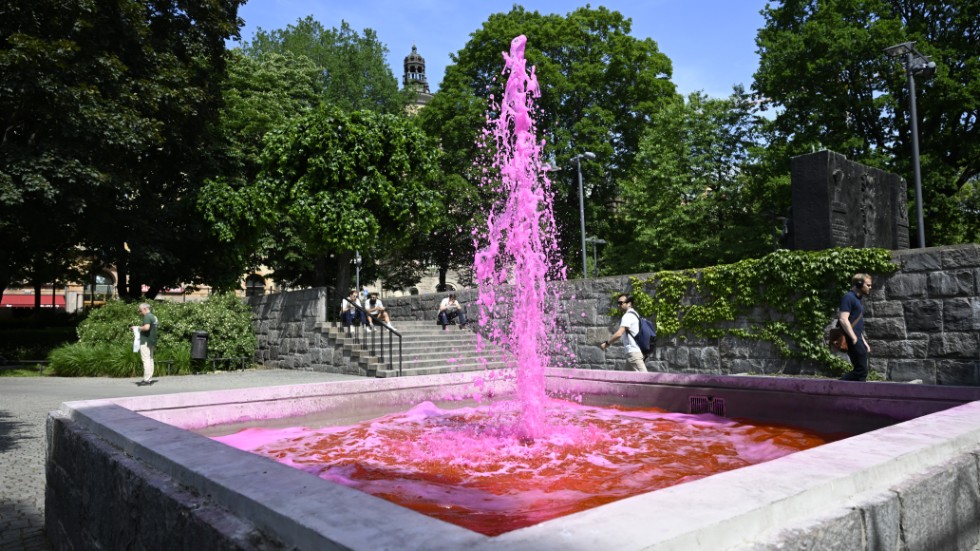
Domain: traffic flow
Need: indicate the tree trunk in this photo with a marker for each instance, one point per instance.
(4, 274)
(343, 267)
(443, 270)
(122, 276)
(320, 271)
(37, 296)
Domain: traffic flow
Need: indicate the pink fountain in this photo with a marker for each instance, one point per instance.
(516, 462)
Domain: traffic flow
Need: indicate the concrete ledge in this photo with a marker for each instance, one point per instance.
(873, 488)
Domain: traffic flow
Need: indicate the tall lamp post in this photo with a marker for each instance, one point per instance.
(357, 271)
(595, 255)
(581, 208)
(915, 64)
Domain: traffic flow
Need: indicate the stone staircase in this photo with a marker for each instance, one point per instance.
(427, 349)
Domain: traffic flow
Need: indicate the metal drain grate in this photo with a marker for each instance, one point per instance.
(706, 404)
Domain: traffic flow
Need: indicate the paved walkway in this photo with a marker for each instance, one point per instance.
(24, 406)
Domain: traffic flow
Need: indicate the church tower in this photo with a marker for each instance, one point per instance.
(415, 78)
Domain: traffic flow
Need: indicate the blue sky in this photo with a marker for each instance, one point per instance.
(710, 42)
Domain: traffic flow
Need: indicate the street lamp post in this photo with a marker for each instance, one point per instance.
(357, 270)
(915, 64)
(595, 255)
(581, 208)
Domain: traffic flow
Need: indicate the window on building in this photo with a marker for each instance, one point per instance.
(103, 286)
(254, 285)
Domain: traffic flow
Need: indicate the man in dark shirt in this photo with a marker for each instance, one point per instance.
(851, 319)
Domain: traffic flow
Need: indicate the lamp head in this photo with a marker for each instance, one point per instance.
(921, 66)
(899, 50)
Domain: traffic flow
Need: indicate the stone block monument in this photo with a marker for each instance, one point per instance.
(841, 203)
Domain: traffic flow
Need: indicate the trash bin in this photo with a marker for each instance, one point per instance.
(199, 345)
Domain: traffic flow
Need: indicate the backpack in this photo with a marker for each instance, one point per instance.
(646, 337)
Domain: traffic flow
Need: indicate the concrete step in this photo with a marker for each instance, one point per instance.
(425, 349)
(408, 371)
(449, 361)
(458, 352)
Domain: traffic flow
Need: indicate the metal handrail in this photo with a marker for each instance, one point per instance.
(377, 348)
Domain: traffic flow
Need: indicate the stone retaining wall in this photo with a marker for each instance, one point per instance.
(285, 326)
(923, 323)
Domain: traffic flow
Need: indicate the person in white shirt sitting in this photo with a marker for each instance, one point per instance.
(348, 310)
(450, 311)
(376, 311)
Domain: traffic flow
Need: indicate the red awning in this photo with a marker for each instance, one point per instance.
(27, 301)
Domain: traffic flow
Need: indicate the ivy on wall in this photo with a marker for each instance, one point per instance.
(786, 298)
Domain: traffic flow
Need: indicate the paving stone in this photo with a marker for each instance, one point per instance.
(24, 407)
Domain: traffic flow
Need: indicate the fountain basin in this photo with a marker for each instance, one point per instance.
(130, 470)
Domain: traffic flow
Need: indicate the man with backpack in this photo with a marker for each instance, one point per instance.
(630, 326)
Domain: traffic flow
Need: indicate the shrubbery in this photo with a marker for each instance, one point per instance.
(796, 293)
(105, 341)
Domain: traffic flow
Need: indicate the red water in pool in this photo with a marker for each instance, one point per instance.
(458, 466)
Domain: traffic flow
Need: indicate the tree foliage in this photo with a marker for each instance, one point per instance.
(824, 70)
(601, 88)
(107, 118)
(332, 183)
(261, 93)
(692, 200)
(274, 79)
(353, 74)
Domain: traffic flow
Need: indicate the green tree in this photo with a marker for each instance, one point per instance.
(690, 201)
(261, 93)
(107, 114)
(353, 73)
(334, 182)
(601, 88)
(824, 70)
(278, 76)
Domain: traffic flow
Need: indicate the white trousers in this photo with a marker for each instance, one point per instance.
(146, 354)
(635, 360)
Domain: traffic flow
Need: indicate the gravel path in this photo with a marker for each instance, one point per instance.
(24, 406)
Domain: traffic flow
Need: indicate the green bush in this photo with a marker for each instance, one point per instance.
(105, 340)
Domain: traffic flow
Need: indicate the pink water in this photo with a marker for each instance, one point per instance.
(518, 252)
(458, 466)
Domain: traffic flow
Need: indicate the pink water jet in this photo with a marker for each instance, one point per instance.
(518, 247)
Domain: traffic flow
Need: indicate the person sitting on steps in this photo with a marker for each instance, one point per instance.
(349, 312)
(449, 311)
(376, 310)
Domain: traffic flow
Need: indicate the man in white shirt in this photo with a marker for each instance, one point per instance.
(348, 310)
(376, 310)
(630, 326)
(449, 310)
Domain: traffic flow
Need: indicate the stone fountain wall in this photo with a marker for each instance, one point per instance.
(923, 323)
